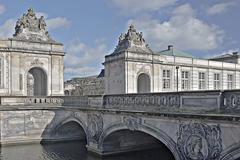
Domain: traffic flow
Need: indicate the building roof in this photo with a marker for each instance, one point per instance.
(174, 52)
(228, 55)
(101, 74)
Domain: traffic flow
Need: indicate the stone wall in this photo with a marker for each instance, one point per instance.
(30, 47)
(218, 138)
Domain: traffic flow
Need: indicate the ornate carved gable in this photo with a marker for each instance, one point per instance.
(29, 27)
(132, 41)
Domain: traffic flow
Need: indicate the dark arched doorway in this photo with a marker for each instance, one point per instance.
(36, 82)
(143, 83)
(143, 145)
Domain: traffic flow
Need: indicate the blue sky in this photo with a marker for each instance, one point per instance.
(90, 29)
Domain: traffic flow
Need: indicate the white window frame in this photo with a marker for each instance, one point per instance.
(230, 82)
(185, 80)
(216, 81)
(201, 80)
(166, 77)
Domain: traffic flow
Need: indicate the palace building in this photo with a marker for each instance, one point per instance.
(134, 68)
(31, 63)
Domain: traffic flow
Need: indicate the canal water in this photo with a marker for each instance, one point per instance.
(72, 150)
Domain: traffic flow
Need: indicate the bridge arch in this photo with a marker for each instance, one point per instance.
(75, 121)
(153, 132)
(232, 153)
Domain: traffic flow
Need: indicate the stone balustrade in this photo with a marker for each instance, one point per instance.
(205, 101)
(23, 100)
(67, 101)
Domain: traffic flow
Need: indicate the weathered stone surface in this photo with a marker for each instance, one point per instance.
(132, 41)
(31, 59)
(202, 138)
(29, 27)
(198, 141)
(133, 58)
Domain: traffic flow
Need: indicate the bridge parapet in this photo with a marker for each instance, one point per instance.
(31, 100)
(66, 101)
(198, 101)
(203, 101)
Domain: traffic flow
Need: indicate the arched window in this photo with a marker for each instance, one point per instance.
(143, 83)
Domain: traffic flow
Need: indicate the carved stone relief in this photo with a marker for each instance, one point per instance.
(132, 123)
(164, 101)
(95, 126)
(30, 27)
(232, 102)
(132, 39)
(198, 141)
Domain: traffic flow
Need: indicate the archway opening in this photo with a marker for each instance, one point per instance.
(127, 141)
(36, 82)
(70, 131)
(143, 83)
(67, 141)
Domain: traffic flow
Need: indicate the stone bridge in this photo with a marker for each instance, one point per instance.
(202, 125)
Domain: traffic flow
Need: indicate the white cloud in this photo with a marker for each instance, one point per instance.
(2, 9)
(58, 22)
(39, 14)
(82, 60)
(134, 6)
(7, 28)
(183, 30)
(219, 8)
(54, 23)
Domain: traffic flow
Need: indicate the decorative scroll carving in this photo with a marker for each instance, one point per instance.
(132, 40)
(170, 100)
(95, 126)
(232, 102)
(197, 141)
(132, 122)
(29, 27)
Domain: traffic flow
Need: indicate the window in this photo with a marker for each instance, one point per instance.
(166, 79)
(201, 80)
(230, 81)
(216, 81)
(185, 80)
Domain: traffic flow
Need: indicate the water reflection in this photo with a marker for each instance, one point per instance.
(73, 150)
